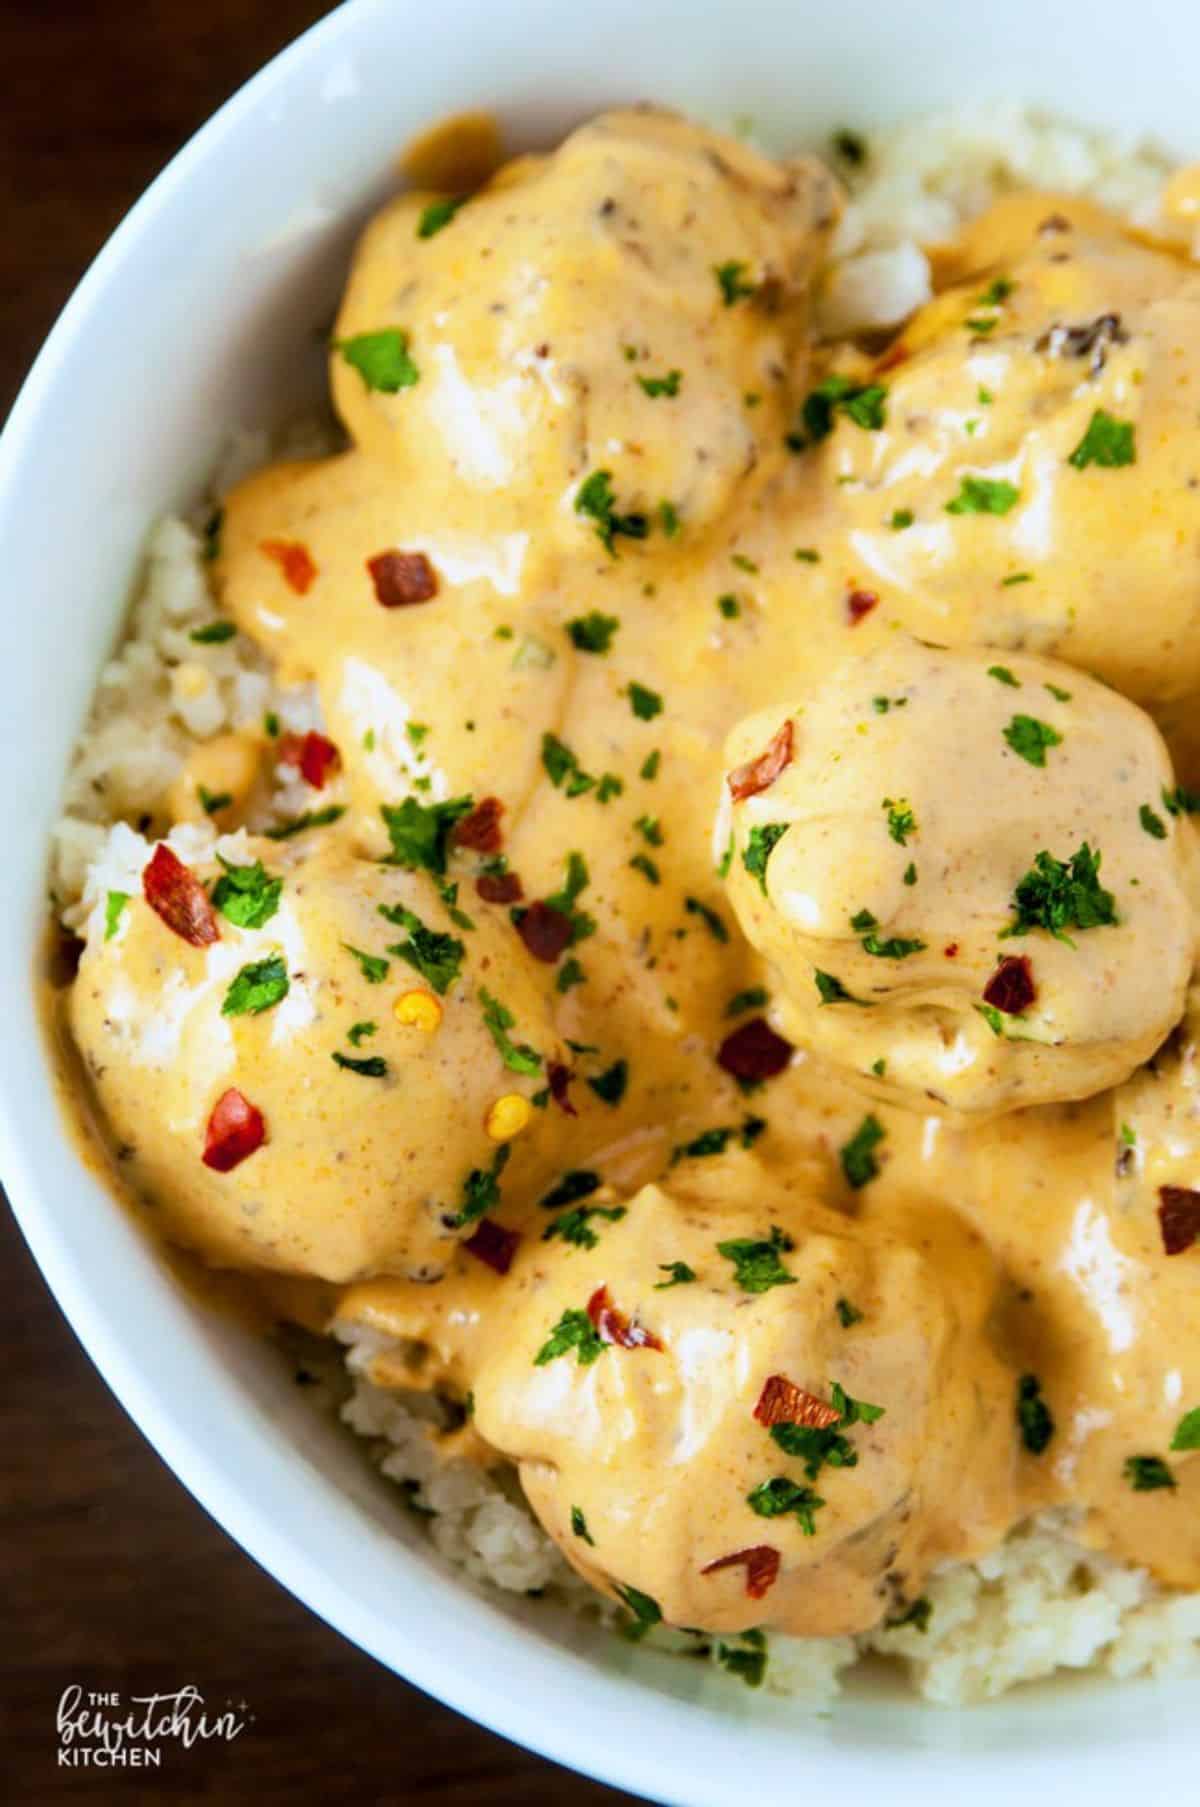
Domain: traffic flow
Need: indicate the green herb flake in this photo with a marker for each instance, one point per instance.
(574, 1330)
(420, 832)
(708, 916)
(729, 606)
(650, 765)
(668, 519)
(114, 909)
(863, 403)
(900, 518)
(247, 896)
(984, 495)
(900, 820)
(646, 1612)
(779, 1497)
(1187, 1431)
(650, 829)
(1034, 1417)
(437, 957)
(1152, 823)
(1016, 577)
(678, 1274)
(594, 498)
(641, 862)
(754, 998)
(381, 359)
(214, 633)
(593, 632)
(917, 1616)
(579, 1182)
(374, 966)
(1003, 675)
(1029, 738)
(760, 844)
(1147, 1474)
(257, 987)
(481, 1190)
(1181, 802)
(570, 974)
(1107, 443)
(831, 989)
(438, 214)
(579, 1526)
(894, 947)
(848, 1315)
(646, 704)
(360, 1032)
(1056, 895)
(747, 1660)
(731, 280)
(807, 555)
(910, 873)
(213, 801)
(375, 1067)
(654, 386)
(857, 1156)
(312, 818)
(518, 1057)
(1061, 696)
(610, 1085)
(574, 1226)
(756, 1263)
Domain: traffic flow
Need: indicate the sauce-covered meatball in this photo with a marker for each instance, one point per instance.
(963, 872)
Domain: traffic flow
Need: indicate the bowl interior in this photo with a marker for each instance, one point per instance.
(205, 311)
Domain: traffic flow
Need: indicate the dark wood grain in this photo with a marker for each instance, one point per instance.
(111, 1576)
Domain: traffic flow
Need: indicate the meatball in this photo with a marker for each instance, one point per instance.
(966, 876)
(746, 1413)
(296, 1082)
(1032, 479)
(604, 309)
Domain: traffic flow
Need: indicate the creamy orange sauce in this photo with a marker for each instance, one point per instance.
(606, 531)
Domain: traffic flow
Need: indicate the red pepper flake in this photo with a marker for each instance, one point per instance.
(612, 1326)
(235, 1130)
(294, 560)
(499, 887)
(783, 1402)
(754, 1051)
(860, 603)
(1011, 987)
(1178, 1217)
(315, 756)
(402, 578)
(492, 1244)
(895, 354)
(481, 830)
(175, 893)
(545, 931)
(748, 780)
(558, 1078)
(761, 1563)
(951, 950)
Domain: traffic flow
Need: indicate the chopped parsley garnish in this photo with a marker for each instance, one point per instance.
(1033, 1415)
(731, 280)
(807, 555)
(1147, 1474)
(983, 495)
(481, 1189)
(593, 632)
(901, 518)
(863, 403)
(438, 214)
(749, 1661)
(594, 498)
(610, 1085)
(212, 535)
(257, 987)
(358, 1033)
(857, 1156)
(780, 1497)
(247, 896)
(896, 947)
(910, 874)
(1030, 738)
(646, 1612)
(1108, 443)
(518, 1057)
(374, 966)
(212, 801)
(574, 1225)
(668, 519)
(729, 606)
(579, 1526)
(1152, 823)
(646, 704)
(641, 862)
(1181, 802)
(114, 907)
(578, 1183)
(1003, 675)
(373, 1068)
(565, 772)
(756, 1263)
(214, 633)
(831, 989)
(1060, 894)
(650, 829)
(271, 725)
(1062, 696)
(1018, 577)
(754, 998)
(997, 291)
(420, 832)
(655, 386)
(650, 765)
(312, 818)
(574, 1330)
(901, 822)
(436, 956)
(569, 973)
(381, 359)
(575, 881)
(760, 844)
(678, 1274)
(848, 1314)
(992, 1017)
(854, 1411)
(708, 917)
(1187, 1431)
(716, 1141)
(917, 1615)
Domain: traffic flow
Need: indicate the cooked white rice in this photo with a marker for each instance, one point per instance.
(1042, 1602)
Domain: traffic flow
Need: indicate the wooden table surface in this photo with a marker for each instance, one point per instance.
(111, 1576)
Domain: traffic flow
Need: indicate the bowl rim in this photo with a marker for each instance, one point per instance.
(509, 1699)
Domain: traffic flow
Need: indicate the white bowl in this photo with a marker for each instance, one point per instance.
(200, 313)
